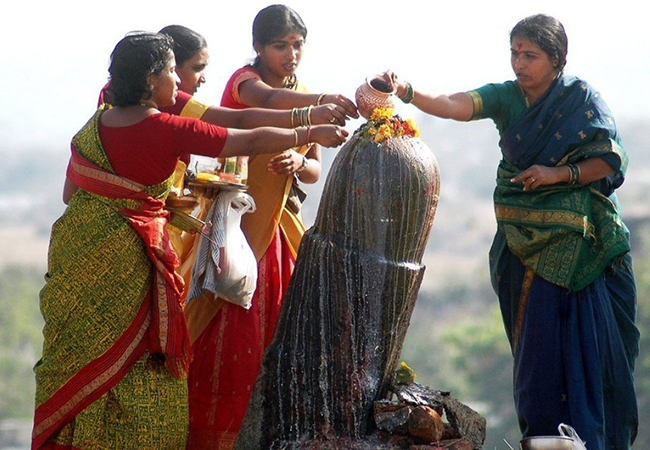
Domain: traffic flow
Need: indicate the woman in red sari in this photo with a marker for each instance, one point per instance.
(116, 349)
(228, 340)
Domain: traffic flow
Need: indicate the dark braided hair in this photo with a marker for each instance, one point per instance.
(547, 33)
(136, 56)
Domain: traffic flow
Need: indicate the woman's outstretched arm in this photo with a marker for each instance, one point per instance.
(458, 106)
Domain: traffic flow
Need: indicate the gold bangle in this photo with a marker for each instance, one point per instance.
(295, 138)
(309, 114)
(319, 99)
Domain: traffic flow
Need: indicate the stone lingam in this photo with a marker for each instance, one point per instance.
(350, 300)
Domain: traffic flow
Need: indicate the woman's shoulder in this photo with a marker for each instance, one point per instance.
(505, 86)
(492, 99)
(190, 124)
(245, 72)
(579, 90)
(495, 94)
(230, 96)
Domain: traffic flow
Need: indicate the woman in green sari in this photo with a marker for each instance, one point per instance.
(560, 259)
(116, 349)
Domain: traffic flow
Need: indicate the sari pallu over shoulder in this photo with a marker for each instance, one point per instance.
(570, 115)
(103, 305)
(566, 234)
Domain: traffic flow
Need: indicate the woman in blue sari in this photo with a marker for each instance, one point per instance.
(560, 259)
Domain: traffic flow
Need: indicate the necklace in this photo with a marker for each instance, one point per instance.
(291, 82)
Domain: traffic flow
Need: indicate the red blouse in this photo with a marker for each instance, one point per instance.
(147, 152)
(230, 98)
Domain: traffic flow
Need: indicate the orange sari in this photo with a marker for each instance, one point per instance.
(227, 340)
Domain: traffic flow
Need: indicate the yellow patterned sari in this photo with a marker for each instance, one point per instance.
(116, 350)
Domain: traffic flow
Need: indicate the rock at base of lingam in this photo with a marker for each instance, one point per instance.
(415, 420)
(349, 303)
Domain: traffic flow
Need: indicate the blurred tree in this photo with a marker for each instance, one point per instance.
(642, 372)
(20, 340)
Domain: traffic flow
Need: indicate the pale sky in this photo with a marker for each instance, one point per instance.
(55, 53)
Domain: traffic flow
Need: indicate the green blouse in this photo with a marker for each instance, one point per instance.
(501, 102)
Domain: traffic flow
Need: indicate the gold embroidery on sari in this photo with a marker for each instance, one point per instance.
(523, 301)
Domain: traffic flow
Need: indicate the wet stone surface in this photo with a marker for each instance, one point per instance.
(349, 303)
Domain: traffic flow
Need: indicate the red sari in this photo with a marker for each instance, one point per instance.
(229, 344)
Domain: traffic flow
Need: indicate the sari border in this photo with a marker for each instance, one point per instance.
(545, 218)
(477, 102)
(93, 381)
(194, 109)
(248, 74)
(529, 276)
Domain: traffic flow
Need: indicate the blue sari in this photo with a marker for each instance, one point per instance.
(561, 267)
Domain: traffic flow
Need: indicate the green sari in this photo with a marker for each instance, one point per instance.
(115, 349)
(561, 268)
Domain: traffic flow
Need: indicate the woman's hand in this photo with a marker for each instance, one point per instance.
(330, 113)
(394, 82)
(348, 106)
(286, 163)
(328, 135)
(536, 176)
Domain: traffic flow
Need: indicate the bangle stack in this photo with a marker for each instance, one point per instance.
(319, 99)
(408, 97)
(301, 117)
(574, 174)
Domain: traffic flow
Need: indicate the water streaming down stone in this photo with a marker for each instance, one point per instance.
(349, 302)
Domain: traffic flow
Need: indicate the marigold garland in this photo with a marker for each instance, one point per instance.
(385, 124)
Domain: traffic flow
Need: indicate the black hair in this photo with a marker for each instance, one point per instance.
(187, 42)
(136, 56)
(547, 33)
(275, 21)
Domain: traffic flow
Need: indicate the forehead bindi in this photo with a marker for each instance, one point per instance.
(290, 39)
(520, 46)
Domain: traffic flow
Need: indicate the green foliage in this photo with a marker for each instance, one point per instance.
(20, 340)
(478, 348)
(459, 347)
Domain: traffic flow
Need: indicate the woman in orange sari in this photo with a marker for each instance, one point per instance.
(116, 349)
(228, 340)
(192, 58)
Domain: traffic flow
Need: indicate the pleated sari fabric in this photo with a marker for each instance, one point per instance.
(116, 348)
